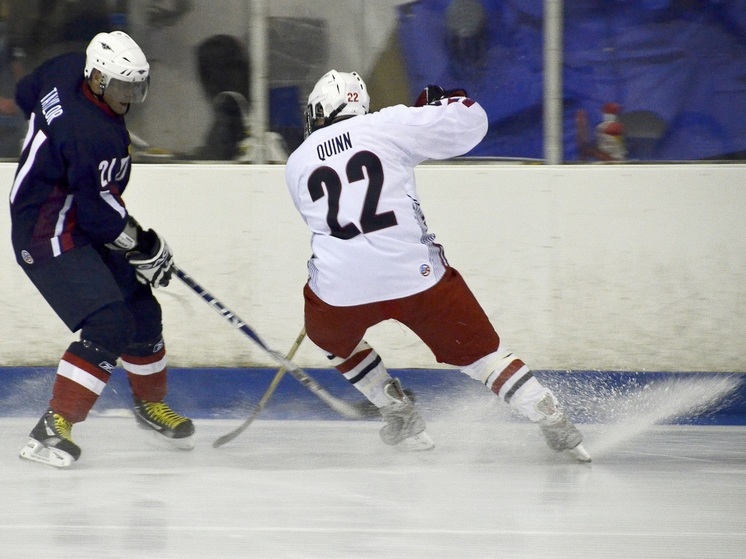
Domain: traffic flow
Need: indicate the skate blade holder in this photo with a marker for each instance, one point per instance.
(415, 443)
(35, 451)
(155, 439)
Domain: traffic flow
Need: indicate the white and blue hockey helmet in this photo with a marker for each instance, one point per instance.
(336, 95)
(122, 63)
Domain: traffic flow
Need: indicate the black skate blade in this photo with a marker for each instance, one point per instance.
(154, 439)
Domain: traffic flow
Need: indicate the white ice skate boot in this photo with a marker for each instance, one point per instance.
(50, 442)
(559, 432)
(404, 429)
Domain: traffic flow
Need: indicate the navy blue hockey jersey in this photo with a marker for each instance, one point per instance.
(74, 165)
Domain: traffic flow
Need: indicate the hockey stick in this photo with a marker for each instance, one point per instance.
(267, 395)
(340, 406)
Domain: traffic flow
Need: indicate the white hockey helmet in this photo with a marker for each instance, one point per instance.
(336, 95)
(122, 63)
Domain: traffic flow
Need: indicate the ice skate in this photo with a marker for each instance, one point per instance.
(160, 419)
(50, 442)
(404, 429)
(559, 432)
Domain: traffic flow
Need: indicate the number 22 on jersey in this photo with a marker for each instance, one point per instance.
(326, 183)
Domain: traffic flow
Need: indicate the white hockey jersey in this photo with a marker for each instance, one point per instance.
(353, 183)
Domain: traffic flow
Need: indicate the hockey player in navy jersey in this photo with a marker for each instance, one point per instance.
(352, 180)
(88, 257)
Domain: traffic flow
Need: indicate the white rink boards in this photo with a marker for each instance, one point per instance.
(624, 267)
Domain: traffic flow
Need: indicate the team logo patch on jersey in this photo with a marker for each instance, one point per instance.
(27, 258)
(425, 270)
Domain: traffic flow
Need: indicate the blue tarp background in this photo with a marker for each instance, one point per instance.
(683, 60)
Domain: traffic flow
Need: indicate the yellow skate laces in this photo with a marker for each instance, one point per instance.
(161, 414)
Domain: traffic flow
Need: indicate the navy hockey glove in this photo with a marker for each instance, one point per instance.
(152, 259)
(129, 238)
(434, 93)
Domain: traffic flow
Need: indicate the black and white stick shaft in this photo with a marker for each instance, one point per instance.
(340, 406)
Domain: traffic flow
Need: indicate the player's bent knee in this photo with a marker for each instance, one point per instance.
(111, 327)
(361, 347)
(483, 368)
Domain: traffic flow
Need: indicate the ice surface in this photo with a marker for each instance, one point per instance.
(331, 489)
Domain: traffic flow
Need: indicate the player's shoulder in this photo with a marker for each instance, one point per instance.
(409, 116)
(64, 71)
(385, 119)
(391, 113)
(57, 88)
(68, 112)
(297, 158)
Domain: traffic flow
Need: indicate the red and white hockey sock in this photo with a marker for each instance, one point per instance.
(82, 375)
(509, 377)
(146, 367)
(365, 370)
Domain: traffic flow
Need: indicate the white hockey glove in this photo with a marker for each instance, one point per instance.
(152, 259)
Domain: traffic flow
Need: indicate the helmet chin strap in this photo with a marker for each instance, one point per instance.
(328, 120)
(312, 126)
(100, 86)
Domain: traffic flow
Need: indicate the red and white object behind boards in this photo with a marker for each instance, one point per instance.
(610, 133)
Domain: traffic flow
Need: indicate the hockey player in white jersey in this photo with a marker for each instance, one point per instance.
(352, 180)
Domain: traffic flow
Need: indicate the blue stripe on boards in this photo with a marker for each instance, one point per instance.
(589, 396)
